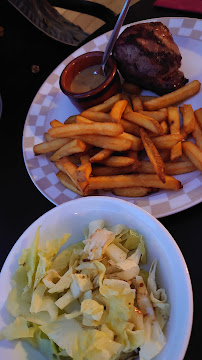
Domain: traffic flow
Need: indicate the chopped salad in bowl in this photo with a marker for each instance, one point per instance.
(95, 299)
(96, 277)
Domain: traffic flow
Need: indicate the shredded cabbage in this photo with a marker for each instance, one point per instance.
(91, 301)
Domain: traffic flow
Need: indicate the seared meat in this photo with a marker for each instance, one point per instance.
(147, 55)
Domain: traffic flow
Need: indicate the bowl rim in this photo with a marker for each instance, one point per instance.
(94, 91)
(73, 205)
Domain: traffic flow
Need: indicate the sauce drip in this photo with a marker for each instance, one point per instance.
(88, 79)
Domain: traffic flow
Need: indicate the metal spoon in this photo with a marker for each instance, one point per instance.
(114, 35)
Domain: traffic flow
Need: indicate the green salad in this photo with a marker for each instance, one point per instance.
(92, 301)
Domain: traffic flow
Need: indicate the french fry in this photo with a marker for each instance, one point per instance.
(85, 159)
(49, 146)
(56, 123)
(145, 167)
(174, 97)
(198, 116)
(84, 170)
(117, 161)
(171, 168)
(82, 120)
(174, 123)
(173, 119)
(183, 158)
(109, 170)
(136, 103)
(193, 153)
(97, 116)
(153, 155)
(179, 167)
(128, 108)
(144, 121)
(89, 150)
(106, 106)
(145, 180)
(129, 105)
(107, 142)
(165, 154)
(197, 135)
(133, 154)
(101, 155)
(147, 98)
(65, 165)
(183, 133)
(130, 127)
(137, 191)
(166, 141)
(71, 130)
(159, 115)
(189, 120)
(70, 120)
(136, 142)
(70, 169)
(68, 183)
(47, 137)
(131, 88)
(75, 159)
(73, 147)
(164, 127)
(117, 110)
(176, 151)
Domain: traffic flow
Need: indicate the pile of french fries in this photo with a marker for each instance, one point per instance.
(131, 144)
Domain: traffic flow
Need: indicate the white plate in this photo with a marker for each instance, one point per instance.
(51, 103)
(72, 217)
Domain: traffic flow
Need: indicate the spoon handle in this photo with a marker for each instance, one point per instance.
(115, 32)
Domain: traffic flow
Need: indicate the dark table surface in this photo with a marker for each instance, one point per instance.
(23, 45)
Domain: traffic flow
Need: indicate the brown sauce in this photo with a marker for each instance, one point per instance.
(88, 79)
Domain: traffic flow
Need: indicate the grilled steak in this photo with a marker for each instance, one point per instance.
(147, 55)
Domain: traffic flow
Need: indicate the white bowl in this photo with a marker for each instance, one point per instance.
(72, 217)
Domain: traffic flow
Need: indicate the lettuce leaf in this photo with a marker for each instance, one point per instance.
(96, 245)
(18, 329)
(61, 262)
(29, 260)
(63, 284)
(127, 270)
(37, 298)
(51, 278)
(133, 239)
(42, 267)
(130, 339)
(94, 345)
(120, 231)
(45, 257)
(18, 300)
(140, 253)
(158, 297)
(64, 332)
(120, 299)
(64, 300)
(95, 225)
(52, 247)
(159, 294)
(92, 310)
(154, 340)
